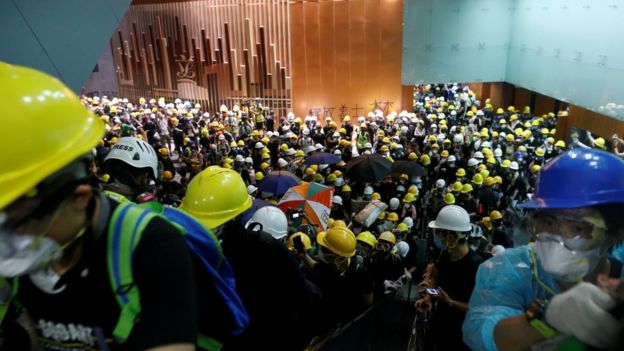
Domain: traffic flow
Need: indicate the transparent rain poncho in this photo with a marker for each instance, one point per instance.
(505, 287)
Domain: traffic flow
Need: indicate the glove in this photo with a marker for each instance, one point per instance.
(583, 311)
(391, 286)
(407, 274)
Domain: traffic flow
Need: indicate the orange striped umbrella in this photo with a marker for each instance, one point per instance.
(315, 200)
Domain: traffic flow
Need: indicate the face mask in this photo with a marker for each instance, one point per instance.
(474, 247)
(562, 262)
(30, 254)
(46, 279)
(340, 263)
(438, 242)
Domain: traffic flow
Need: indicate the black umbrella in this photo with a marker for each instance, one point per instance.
(369, 168)
(411, 168)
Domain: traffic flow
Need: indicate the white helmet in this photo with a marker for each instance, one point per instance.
(337, 152)
(475, 231)
(402, 248)
(513, 165)
(368, 146)
(400, 189)
(458, 138)
(339, 182)
(498, 250)
(451, 158)
(486, 144)
(440, 183)
(239, 158)
(306, 131)
(248, 160)
(273, 221)
(452, 217)
(404, 130)
(368, 190)
(281, 162)
(498, 152)
(472, 162)
(310, 149)
(291, 152)
(319, 147)
(136, 153)
(269, 134)
(394, 203)
(251, 189)
(478, 155)
(409, 221)
(337, 200)
(259, 145)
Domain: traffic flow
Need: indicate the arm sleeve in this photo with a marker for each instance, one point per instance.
(501, 291)
(163, 272)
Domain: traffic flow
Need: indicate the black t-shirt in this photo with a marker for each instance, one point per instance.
(84, 313)
(458, 280)
(273, 289)
(342, 294)
(390, 268)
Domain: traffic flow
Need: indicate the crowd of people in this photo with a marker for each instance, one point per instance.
(502, 220)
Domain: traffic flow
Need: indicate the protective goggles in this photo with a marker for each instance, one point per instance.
(575, 232)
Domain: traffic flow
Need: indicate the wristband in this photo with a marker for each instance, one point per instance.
(535, 316)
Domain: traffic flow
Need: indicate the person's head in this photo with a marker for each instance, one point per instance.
(46, 202)
(131, 164)
(451, 227)
(216, 196)
(577, 211)
(366, 242)
(271, 220)
(385, 244)
(337, 246)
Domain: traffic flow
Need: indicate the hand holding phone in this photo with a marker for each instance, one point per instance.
(298, 243)
(433, 292)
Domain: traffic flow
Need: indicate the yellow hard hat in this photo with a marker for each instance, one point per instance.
(457, 186)
(498, 180)
(388, 236)
(494, 215)
(402, 227)
(444, 154)
(487, 221)
(412, 156)
(392, 216)
(381, 133)
(460, 172)
(513, 117)
(540, 152)
(46, 122)
(484, 134)
(491, 160)
(284, 147)
(553, 131)
(477, 179)
(259, 176)
(535, 123)
(346, 189)
(505, 163)
(499, 111)
(167, 175)
(347, 118)
(305, 239)
(265, 140)
(425, 159)
(560, 143)
(413, 189)
(266, 156)
(264, 166)
(318, 178)
(233, 144)
(299, 153)
(600, 142)
(339, 240)
(163, 151)
(535, 168)
(382, 215)
(367, 237)
(449, 199)
(384, 148)
(481, 167)
(385, 140)
(215, 196)
(466, 188)
(545, 131)
(376, 196)
(342, 131)
(484, 173)
(489, 181)
(331, 178)
(337, 173)
(432, 138)
(309, 171)
(409, 198)
(314, 167)
(522, 148)
(255, 133)
(435, 146)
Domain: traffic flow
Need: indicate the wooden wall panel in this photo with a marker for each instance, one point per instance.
(348, 56)
(543, 104)
(596, 123)
(522, 98)
(210, 51)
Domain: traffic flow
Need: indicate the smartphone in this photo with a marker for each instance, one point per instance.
(433, 292)
(298, 243)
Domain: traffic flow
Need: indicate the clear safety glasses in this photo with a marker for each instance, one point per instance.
(576, 233)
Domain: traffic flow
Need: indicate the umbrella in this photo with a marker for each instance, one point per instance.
(255, 206)
(315, 200)
(369, 168)
(410, 168)
(278, 182)
(322, 158)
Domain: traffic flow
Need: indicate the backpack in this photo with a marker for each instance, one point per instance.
(125, 230)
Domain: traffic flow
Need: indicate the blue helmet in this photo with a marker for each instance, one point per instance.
(579, 178)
